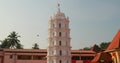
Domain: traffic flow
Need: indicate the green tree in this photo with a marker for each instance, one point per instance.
(12, 41)
(86, 48)
(96, 48)
(19, 46)
(104, 45)
(5, 44)
(35, 46)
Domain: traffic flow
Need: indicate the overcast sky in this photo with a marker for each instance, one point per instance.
(91, 21)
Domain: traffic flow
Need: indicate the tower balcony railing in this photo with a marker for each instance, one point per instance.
(59, 29)
(60, 47)
(57, 37)
(57, 55)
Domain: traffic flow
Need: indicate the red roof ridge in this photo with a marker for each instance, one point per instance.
(115, 42)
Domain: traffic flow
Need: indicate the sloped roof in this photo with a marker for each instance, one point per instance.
(83, 51)
(102, 56)
(96, 58)
(115, 42)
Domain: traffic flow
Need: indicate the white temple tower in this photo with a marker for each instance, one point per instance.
(59, 49)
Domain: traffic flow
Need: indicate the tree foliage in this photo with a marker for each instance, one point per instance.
(99, 47)
(35, 46)
(11, 41)
(86, 48)
(96, 48)
(104, 45)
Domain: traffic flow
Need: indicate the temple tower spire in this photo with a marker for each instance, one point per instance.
(58, 7)
(59, 49)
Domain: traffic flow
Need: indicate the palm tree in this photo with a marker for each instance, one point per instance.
(35, 46)
(12, 41)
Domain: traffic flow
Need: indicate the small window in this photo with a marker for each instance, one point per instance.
(67, 52)
(59, 25)
(60, 61)
(38, 57)
(66, 34)
(59, 43)
(53, 25)
(53, 34)
(53, 43)
(52, 52)
(60, 52)
(60, 34)
(24, 57)
(11, 56)
(65, 25)
(52, 61)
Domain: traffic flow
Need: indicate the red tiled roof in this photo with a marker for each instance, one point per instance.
(102, 56)
(25, 50)
(82, 51)
(45, 50)
(83, 54)
(115, 42)
(96, 58)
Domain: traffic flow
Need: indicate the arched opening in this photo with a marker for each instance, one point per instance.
(60, 34)
(59, 25)
(67, 52)
(60, 61)
(67, 61)
(66, 34)
(59, 43)
(60, 52)
(66, 43)
(53, 34)
(53, 25)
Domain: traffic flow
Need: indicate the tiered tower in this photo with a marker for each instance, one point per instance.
(59, 49)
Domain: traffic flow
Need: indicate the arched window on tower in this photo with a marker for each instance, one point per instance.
(52, 52)
(52, 61)
(59, 43)
(59, 25)
(66, 43)
(65, 26)
(60, 61)
(67, 52)
(60, 52)
(53, 43)
(60, 34)
(53, 25)
(53, 34)
(66, 34)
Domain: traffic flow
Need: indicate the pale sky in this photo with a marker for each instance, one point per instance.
(91, 21)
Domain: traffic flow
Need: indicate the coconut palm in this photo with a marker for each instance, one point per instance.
(12, 41)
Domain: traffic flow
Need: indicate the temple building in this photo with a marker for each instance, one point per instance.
(59, 49)
(39, 56)
(112, 53)
(114, 48)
